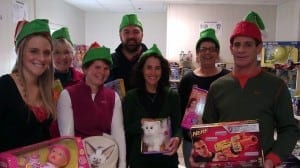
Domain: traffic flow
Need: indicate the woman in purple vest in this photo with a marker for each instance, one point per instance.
(90, 109)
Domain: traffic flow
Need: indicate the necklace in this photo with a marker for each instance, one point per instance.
(33, 98)
(21, 85)
(151, 97)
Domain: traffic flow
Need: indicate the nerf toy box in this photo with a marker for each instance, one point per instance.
(227, 144)
(67, 152)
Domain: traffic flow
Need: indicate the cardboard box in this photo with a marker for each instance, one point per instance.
(279, 52)
(194, 110)
(118, 86)
(227, 144)
(39, 155)
(156, 135)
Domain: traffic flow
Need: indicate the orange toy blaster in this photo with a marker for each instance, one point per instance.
(236, 144)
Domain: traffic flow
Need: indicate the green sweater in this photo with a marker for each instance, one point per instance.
(266, 98)
(134, 108)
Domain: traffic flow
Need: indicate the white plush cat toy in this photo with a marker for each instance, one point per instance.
(154, 134)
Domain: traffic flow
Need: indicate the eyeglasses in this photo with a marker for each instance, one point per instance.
(211, 49)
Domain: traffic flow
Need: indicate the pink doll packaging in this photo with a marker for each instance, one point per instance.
(194, 109)
(62, 152)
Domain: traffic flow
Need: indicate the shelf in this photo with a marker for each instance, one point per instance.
(175, 80)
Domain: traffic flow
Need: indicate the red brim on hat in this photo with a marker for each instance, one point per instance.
(245, 28)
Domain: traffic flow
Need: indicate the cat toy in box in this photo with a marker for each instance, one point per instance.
(156, 134)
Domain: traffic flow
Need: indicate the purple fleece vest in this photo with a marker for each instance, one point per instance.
(91, 118)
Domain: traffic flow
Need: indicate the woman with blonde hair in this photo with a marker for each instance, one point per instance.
(26, 102)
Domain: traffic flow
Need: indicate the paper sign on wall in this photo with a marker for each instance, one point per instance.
(217, 25)
(20, 10)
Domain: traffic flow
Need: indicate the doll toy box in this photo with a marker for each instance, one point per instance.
(67, 152)
(227, 144)
(194, 110)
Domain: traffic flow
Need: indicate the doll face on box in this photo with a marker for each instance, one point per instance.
(58, 157)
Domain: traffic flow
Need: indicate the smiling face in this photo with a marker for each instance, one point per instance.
(207, 55)
(201, 149)
(131, 38)
(36, 56)
(245, 51)
(152, 73)
(62, 55)
(96, 74)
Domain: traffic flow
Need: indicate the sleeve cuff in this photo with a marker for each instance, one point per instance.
(275, 158)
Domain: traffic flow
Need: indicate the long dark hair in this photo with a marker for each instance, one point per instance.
(138, 80)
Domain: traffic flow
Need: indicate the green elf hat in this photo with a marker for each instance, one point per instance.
(256, 19)
(130, 19)
(96, 52)
(28, 28)
(152, 51)
(208, 34)
(62, 33)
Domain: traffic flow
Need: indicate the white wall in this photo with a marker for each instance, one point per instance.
(7, 29)
(104, 28)
(183, 25)
(61, 14)
(176, 30)
(287, 22)
(57, 11)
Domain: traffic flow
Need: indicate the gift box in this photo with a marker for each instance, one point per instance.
(67, 152)
(226, 144)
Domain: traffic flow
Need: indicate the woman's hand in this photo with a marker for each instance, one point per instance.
(172, 146)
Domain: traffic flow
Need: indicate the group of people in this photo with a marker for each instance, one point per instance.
(86, 108)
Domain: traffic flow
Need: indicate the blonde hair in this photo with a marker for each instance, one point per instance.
(45, 81)
(64, 41)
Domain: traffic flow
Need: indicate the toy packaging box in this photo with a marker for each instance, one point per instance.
(194, 110)
(156, 134)
(57, 89)
(279, 52)
(67, 152)
(102, 151)
(117, 85)
(226, 144)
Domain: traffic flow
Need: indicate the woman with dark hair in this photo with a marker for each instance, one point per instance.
(207, 50)
(152, 98)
